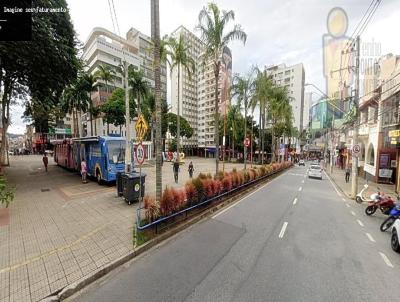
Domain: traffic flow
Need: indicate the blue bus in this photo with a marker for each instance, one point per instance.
(104, 155)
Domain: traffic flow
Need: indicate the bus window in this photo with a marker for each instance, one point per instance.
(116, 152)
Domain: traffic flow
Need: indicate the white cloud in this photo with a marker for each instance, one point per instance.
(278, 31)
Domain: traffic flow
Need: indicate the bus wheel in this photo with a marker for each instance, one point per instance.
(98, 177)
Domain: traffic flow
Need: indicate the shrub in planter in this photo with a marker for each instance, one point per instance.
(246, 176)
(152, 209)
(262, 171)
(209, 176)
(227, 183)
(191, 195)
(167, 202)
(179, 199)
(200, 193)
(241, 178)
(202, 176)
(218, 188)
(220, 175)
(275, 167)
(252, 174)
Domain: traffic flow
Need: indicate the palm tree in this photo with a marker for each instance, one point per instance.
(234, 118)
(155, 34)
(139, 85)
(89, 85)
(280, 112)
(262, 92)
(180, 58)
(243, 88)
(106, 74)
(212, 25)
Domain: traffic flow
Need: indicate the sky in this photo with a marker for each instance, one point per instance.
(285, 31)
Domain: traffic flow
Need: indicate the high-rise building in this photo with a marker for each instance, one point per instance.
(306, 110)
(106, 48)
(291, 77)
(197, 93)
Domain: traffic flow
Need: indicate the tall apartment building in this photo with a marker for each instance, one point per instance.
(291, 77)
(106, 48)
(197, 94)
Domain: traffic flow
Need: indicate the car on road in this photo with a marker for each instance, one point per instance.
(315, 171)
(395, 236)
(301, 162)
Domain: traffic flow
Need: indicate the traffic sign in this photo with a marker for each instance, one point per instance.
(140, 154)
(246, 142)
(356, 149)
(141, 128)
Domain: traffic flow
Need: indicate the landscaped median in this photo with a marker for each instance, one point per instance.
(197, 195)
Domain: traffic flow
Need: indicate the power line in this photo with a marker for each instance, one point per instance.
(111, 14)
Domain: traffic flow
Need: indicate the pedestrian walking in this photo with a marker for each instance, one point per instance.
(175, 168)
(83, 171)
(347, 174)
(45, 160)
(191, 169)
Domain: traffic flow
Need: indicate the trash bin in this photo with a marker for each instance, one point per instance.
(120, 189)
(131, 186)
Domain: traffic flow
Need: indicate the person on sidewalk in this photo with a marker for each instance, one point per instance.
(175, 168)
(191, 169)
(83, 171)
(347, 178)
(45, 160)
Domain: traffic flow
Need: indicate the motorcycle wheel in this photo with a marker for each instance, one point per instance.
(387, 223)
(370, 210)
(395, 242)
(358, 199)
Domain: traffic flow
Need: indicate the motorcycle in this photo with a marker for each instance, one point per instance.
(360, 198)
(393, 215)
(385, 204)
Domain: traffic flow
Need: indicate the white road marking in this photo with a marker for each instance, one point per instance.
(343, 199)
(386, 259)
(352, 213)
(347, 205)
(360, 222)
(338, 193)
(285, 224)
(240, 200)
(295, 201)
(302, 181)
(301, 188)
(370, 237)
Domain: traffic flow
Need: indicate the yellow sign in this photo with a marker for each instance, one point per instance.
(394, 133)
(141, 128)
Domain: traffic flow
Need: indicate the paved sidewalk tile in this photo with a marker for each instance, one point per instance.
(59, 230)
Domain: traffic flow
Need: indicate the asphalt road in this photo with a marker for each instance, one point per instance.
(295, 239)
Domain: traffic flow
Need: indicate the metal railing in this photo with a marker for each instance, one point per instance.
(209, 200)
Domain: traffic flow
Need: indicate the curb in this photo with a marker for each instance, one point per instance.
(339, 187)
(73, 288)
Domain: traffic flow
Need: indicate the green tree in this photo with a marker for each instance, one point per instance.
(243, 89)
(6, 192)
(262, 93)
(212, 26)
(180, 58)
(186, 129)
(106, 74)
(45, 65)
(89, 86)
(138, 84)
(114, 108)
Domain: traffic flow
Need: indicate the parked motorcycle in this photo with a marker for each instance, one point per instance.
(393, 215)
(360, 198)
(385, 204)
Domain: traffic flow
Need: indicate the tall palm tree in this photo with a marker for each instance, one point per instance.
(262, 92)
(139, 85)
(106, 74)
(243, 88)
(180, 58)
(234, 118)
(280, 111)
(155, 34)
(212, 26)
(89, 85)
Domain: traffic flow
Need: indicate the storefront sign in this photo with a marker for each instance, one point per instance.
(385, 173)
(394, 133)
(393, 163)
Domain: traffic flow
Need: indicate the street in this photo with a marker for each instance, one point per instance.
(295, 239)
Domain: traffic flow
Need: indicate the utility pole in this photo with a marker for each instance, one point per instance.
(354, 178)
(128, 158)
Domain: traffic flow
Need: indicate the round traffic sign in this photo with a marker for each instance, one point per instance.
(140, 154)
(246, 142)
(356, 149)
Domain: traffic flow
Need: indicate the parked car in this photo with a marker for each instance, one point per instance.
(395, 236)
(301, 162)
(315, 171)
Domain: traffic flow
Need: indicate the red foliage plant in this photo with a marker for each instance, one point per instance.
(190, 192)
(227, 183)
(167, 202)
(152, 208)
(208, 187)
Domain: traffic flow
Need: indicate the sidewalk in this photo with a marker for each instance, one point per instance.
(338, 176)
(58, 230)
